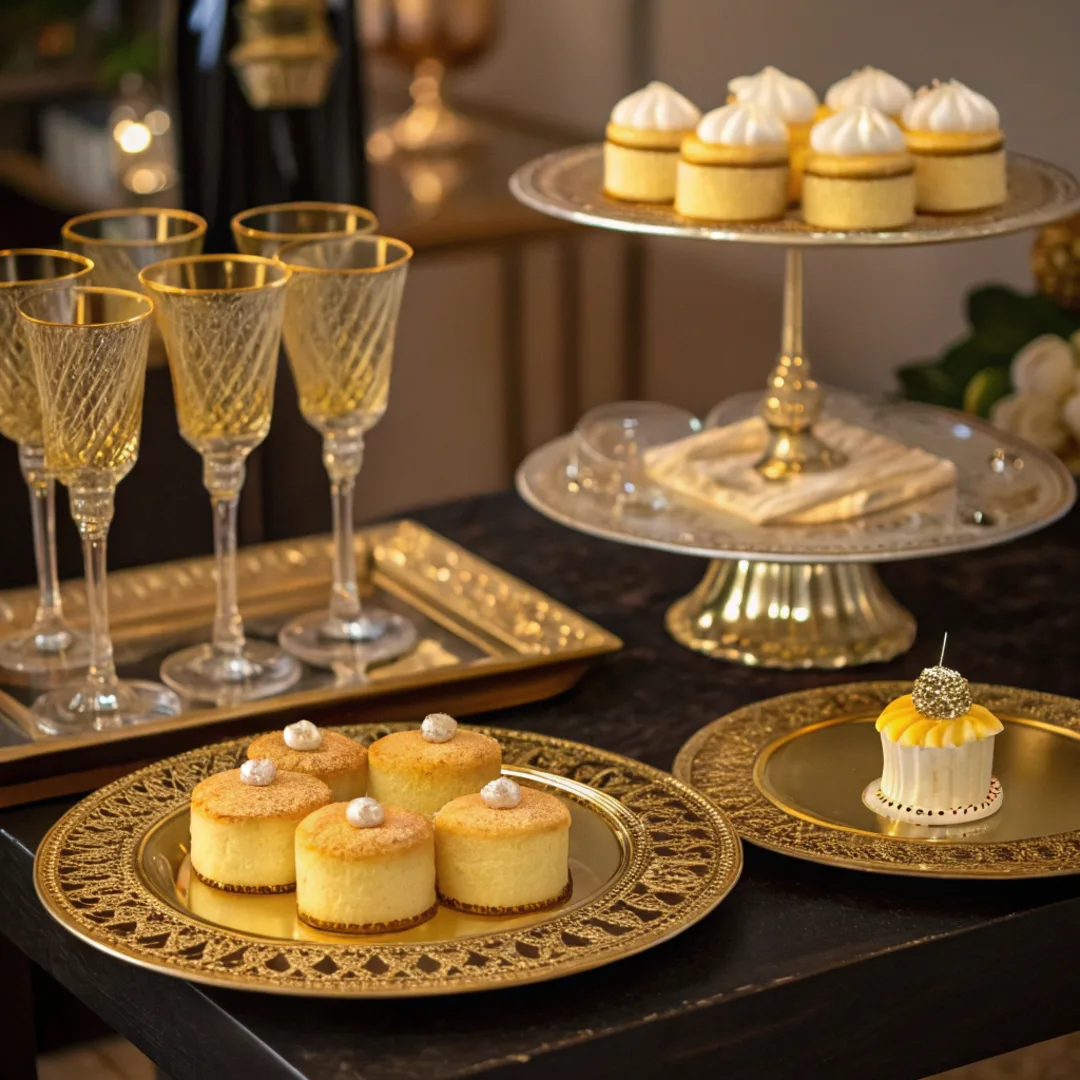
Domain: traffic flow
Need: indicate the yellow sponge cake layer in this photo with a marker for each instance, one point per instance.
(365, 880)
(406, 770)
(503, 861)
(242, 835)
(340, 762)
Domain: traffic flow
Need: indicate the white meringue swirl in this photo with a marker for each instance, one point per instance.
(656, 107)
(860, 130)
(742, 123)
(365, 813)
(790, 98)
(501, 794)
(950, 106)
(438, 727)
(869, 86)
(258, 772)
(303, 735)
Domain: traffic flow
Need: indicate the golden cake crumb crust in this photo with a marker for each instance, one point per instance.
(538, 812)
(409, 751)
(337, 752)
(327, 832)
(226, 797)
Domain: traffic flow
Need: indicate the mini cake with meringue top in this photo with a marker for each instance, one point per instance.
(956, 139)
(503, 851)
(337, 760)
(423, 770)
(735, 166)
(365, 868)
(641, 145)
(938, 748)
(872, 87)
(858, 174)
(242, 826)
(790, 99)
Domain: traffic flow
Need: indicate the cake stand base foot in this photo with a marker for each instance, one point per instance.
(792, 615)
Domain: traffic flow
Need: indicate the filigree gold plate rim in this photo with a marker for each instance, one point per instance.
(568, 184)
(723, 759)
(683, 859)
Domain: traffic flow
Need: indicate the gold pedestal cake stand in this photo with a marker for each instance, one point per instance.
(808, 596)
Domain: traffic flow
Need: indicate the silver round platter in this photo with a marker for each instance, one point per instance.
(802, 596)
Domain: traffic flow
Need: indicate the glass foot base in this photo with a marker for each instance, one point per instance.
(72, 710)
(378, 635)
(202, 674)
(45, 653)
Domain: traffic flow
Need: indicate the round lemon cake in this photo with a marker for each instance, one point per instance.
(735, 166)
(938, 751)
(364, 868)
(641, 143)
(858, 174)
(955, 136)
(337, 760)
(424, 769)
(242, 826)
(503, 851)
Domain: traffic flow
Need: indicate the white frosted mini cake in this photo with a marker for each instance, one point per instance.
(938, 748)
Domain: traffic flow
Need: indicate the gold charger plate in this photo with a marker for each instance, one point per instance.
(487, 640)
(790, 773)
(649, 856)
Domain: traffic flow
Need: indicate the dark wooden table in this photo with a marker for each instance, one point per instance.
(804, 971)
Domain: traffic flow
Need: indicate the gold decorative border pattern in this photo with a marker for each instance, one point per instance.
(684, 858)
(719, 761)
(504, 607)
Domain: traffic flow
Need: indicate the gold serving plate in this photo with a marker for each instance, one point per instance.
(648, 856)
(790, 773)
(486, 641)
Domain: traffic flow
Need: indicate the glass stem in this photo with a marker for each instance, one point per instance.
(343, 457)
(49, 631)
(223, 479)
(93, 513)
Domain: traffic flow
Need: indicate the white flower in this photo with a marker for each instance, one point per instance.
(1044, 367)
(1070, 413)
(1037, 419)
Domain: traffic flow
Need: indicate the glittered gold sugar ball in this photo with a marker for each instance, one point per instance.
(941, 693)
(1055, 261)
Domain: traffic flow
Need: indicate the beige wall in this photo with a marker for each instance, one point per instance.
(712, 310)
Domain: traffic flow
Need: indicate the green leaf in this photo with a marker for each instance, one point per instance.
(1003, 321)
(964, 359)
(986, 387)
(1051, 317)
(929, 382)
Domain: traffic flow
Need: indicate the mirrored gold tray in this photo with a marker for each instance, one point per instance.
(486, 641)
(649, 857)
(790, 772)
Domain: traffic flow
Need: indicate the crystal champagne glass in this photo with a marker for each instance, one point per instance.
(123, 242)
(341, 317)
(89, 349)
(262, 230)
(220, 316)
(49, 645)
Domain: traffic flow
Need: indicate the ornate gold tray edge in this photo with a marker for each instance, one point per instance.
(665, 886)
(733, 742)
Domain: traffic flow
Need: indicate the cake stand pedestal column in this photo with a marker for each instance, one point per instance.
(792, 615)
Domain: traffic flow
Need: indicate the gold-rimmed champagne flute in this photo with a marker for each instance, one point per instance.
(262, 230)
(49, 645)
(220, 316)
(122, 242)
(341, 315)
(89, 347)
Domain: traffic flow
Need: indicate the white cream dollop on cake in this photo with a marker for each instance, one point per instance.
(869, 86)
(656, 107)
(789, 98)
(857, 131)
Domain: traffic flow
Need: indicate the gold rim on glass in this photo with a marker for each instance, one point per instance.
(70, 227)
(238, 226)
(96, 290)
(85, 266)
(347, 238)
(187, 260)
